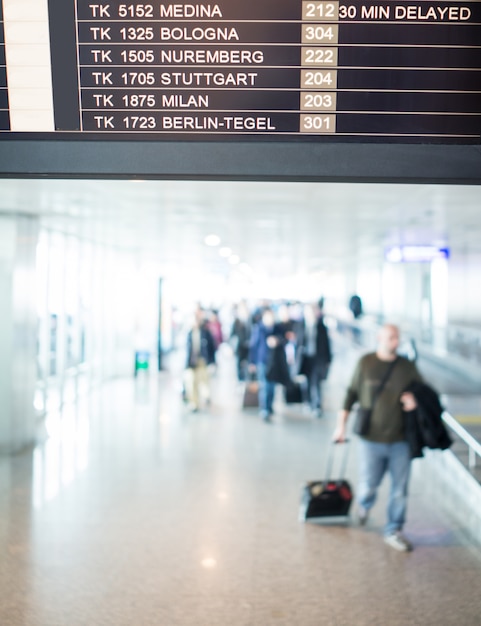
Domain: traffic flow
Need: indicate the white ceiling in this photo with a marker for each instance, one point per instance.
(276, 228)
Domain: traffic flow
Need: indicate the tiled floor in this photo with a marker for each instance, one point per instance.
(135, 512)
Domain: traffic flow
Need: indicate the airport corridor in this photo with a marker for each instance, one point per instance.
(135, 512)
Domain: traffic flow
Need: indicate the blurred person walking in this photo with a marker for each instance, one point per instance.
(315, 355)
(240, 336)
(267, 358)
(215, 328)
(378, 385)
(200, 354)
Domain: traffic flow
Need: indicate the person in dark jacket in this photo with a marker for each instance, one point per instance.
(200, 354)
(355, 305)
(240, 333)
(316, 356)
(267, 359)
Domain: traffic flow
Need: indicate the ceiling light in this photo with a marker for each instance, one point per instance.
(225, 252)
(212, 240)
(234, 259)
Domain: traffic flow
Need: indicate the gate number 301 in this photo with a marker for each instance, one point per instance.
(317, 124)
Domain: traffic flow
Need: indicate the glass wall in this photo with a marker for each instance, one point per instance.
(90, 301)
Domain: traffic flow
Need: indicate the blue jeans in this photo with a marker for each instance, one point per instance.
(375, 459)
(266, 389)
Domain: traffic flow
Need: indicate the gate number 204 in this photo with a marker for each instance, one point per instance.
(318, 78)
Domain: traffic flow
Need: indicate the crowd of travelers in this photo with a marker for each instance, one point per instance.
(274, 343)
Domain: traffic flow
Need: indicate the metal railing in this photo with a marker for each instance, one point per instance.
(460, 342)
(474, 447)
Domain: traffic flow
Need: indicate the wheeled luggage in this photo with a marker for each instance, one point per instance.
(328, 497)
(251, 394)
(296, 391)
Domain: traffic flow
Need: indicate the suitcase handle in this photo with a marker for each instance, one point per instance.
(330, 458)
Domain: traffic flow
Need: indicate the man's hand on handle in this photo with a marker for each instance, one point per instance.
(340, 431)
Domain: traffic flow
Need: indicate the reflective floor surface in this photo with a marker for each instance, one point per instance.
(135, 512)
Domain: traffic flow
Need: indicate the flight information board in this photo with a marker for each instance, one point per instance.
(316, 70)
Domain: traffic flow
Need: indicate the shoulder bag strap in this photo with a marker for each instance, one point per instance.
(383, 382)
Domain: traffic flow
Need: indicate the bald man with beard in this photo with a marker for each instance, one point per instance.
(383, 448)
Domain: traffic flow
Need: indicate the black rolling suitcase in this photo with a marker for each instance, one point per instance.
(327, 498)
(296, 391)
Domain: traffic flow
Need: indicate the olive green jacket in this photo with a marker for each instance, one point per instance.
(387, 418)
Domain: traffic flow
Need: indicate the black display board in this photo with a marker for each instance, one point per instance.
(306, 74)
(315, 69)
